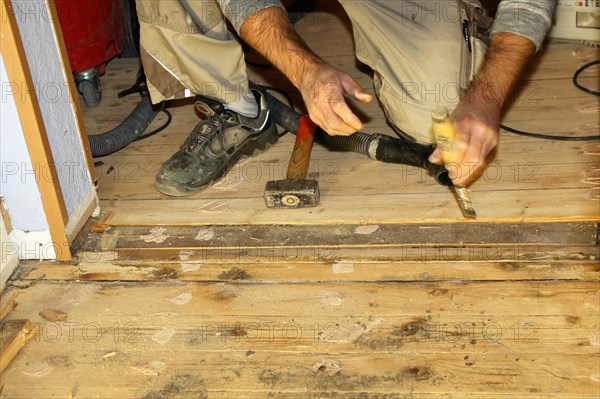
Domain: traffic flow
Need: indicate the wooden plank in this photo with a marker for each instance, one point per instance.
(351, 235)
(529, 339)
(548, 303)
(311, 267)
(400, 253)
(132, 177)
(561, 60)
(339, 253)
(275, 375)
(8, 305)
(170, 252)
(526, 206)
(15, 334)
(132, 166)
(34, 132)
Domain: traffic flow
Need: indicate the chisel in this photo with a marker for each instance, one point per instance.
(445, 134)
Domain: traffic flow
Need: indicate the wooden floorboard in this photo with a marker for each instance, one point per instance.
(441, 267)
(321, 340)
(525, 205)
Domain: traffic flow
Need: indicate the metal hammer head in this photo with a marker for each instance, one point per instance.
(292, 194)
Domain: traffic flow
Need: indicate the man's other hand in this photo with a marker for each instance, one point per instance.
(323, 88)
(477, 126)
(477, 116)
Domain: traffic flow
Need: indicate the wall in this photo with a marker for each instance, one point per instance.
(30, 237)
(17, 181)
(39, 40)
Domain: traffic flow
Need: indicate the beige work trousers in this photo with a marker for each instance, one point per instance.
(417, 50)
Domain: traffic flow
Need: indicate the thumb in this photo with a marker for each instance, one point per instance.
(436, 157)
(354, 89)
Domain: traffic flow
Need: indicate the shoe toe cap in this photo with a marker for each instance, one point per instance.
(183, 174)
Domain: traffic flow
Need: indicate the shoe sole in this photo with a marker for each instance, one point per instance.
(250, 148)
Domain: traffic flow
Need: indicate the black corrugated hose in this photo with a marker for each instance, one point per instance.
(128, 131)
(376, 146)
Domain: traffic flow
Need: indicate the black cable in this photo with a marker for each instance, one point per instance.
(160, 129)
(549, 137)
(579, 71)
(576, 76)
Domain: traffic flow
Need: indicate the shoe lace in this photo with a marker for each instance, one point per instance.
(214, 126)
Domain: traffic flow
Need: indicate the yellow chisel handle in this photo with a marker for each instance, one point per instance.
(445, 134)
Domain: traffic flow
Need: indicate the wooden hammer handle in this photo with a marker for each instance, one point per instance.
(300, 160)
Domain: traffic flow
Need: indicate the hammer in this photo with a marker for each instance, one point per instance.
(296, 191)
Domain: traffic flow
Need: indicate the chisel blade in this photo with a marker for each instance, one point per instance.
(464, 199)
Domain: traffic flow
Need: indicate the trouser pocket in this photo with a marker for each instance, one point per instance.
(475, 30)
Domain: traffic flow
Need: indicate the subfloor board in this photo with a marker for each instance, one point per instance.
(262, 266)
(536, 339)
(511, 206)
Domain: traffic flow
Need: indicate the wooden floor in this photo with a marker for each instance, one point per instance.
(529, 180)
(382, 292)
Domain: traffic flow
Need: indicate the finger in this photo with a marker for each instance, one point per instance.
(355, 90)
(336, 126)
(436, 157)
(471, 163)
(344, 112)
(467, 178)
(461, 145)
(340, 117)
(475, 161)
(330, 122)
(489, 146)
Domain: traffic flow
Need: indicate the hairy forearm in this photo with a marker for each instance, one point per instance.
(477, 116)
(270, 32)
(505, 60)
(323, 86)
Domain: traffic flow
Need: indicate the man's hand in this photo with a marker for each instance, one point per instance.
(477, 124)
(477, 116)
(323, 87)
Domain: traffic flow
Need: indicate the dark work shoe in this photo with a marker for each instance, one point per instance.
(217, 143)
